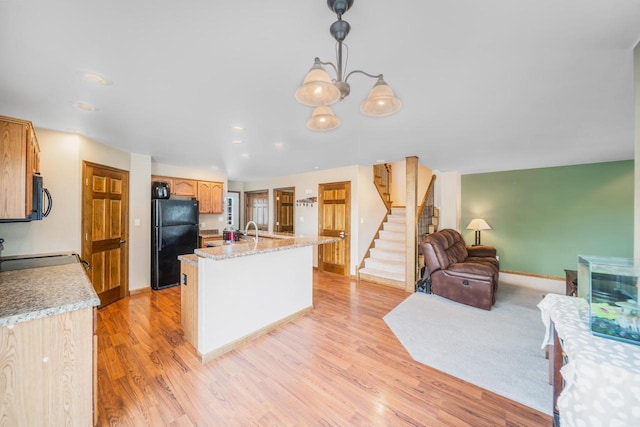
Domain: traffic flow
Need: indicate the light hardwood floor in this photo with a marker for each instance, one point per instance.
(339, 365)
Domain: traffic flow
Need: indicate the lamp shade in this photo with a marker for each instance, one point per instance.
(478, 224)
(323, 119)
(317, 88)
(381, 101)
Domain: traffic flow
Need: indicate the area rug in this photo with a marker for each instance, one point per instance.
(498, 350)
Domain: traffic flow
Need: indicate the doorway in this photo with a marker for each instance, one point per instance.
(283, 210)
(334, 220)
(232, 205)
(256, 208)
(105, 229)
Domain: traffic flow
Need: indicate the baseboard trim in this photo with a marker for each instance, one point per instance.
(206, 357)
(382, 281)
(542, 276)
(547, 284)
(133, 292)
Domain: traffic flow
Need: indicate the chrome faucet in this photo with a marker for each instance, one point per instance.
(246, 229)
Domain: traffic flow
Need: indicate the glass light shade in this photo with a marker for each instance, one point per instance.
(323, 119)
(317, 88)
(381, 101)
(478, 224)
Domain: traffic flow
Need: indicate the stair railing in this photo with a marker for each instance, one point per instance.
(382, 180)
(425, 219)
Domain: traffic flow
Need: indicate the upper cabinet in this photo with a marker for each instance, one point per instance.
(179, 186)
(210, 197)
(19, 162)
(208, 193)
(185, 187)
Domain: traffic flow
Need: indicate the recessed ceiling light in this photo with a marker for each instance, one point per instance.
(236, 127)
(379, 161)
(85, 106)
(245, 155)
(237, 141)
(279, 145)
(316, 167)
(96, 78)
(76, 131)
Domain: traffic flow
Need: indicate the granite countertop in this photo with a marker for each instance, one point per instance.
(209, 233)
(40, 292)
(266, 243)
(189, 259)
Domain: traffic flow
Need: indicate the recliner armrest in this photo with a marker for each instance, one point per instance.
(470, 270)
(481, 250)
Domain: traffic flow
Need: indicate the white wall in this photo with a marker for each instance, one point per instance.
(636, 240)
(398, 191)
(61, 171)
(139, 222)
(448, 197)
(61, 156)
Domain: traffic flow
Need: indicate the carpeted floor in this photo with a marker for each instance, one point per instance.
(498, 350)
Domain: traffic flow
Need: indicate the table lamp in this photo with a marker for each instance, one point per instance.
(478, 224)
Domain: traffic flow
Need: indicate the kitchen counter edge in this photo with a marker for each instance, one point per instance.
(41, 292)
(262, 246)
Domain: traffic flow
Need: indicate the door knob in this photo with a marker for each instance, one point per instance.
(122, 241)
(343, 234)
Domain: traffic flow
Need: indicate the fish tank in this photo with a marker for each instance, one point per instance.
(610, 285)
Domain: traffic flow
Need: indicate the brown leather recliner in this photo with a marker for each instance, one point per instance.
(468, 275)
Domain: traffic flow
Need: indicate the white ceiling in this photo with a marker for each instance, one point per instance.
(486, 85)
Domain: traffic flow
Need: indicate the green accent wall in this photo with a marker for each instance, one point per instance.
(542, 219)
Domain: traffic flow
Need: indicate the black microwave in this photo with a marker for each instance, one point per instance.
(38, 210)
(39, 192)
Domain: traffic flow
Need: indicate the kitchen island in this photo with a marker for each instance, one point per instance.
(246, 289)
(47, 345)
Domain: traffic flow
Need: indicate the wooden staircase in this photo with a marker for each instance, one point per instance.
(386, 260)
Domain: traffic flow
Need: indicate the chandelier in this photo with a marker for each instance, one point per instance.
(319, 90)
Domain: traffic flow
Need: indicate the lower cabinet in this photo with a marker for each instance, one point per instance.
(47, 370)
(189, 301)
(205, 240)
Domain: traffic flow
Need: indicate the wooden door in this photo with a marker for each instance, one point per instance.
(105, 229)
(334, 219)
(283, 210)
(257, 208)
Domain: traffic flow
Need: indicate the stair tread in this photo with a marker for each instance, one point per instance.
(389, 250)
(385, 261)
(382, 273)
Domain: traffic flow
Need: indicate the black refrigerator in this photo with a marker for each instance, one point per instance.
(174, 231)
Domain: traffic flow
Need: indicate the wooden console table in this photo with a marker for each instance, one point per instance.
(571, 277)
(597, 378)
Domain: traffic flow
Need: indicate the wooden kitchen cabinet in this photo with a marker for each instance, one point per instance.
(50, 367)
(210, 197)
(19, 161)
(205, 240)
(167, 179)
(208, 193)
(179, 186)
(185, 187)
